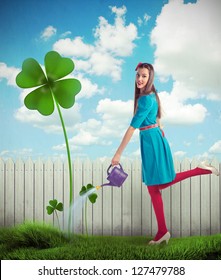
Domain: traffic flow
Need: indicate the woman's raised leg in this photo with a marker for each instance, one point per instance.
(190, 173)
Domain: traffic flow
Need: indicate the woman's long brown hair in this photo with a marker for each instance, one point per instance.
(148, 89)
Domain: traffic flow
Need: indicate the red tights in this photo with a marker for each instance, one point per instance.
(157, 201)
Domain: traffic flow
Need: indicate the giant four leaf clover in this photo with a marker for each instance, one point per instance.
(51, 90)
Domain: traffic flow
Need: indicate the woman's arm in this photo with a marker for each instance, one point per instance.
(124, 142)
(159, 123)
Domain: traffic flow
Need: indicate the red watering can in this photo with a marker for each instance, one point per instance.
(116, 177)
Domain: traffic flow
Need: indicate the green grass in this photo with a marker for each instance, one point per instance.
(43, 242)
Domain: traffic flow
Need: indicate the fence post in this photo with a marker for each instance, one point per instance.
(58, 178)
(48, 189)
(126, 205)
(19, 192)
(97, 207)
(87, 179)
(10, 193)
(185, 193)
(136, 193)
(215, 202)
(40, 207)
(77, 210)
(195, 222)
(107, 202)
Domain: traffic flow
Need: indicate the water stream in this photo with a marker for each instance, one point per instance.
(77, 213)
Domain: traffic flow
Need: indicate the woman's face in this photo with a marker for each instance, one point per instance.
(142, 78)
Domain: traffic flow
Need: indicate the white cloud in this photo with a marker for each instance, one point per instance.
(112, 124)
(186, 143)
(177, 112)
(88, 89)
(136, 153)
(200, 138)
(29, 116)
(115, 115)
(52, 123)
(114, 108)
(75, 47)
(90, 132)
(84, 138)
(8, 73)
(184, 114)
(177, 108)
(112, 42)
(179, 154)
(3, 153)
(187, 38)
(48, 32)
(65, 34)
(20, 153)
(139, 21)
(215, 148)
(146, 17)
(143, 20)
(120, 12)
(103, 64)
(118, 38)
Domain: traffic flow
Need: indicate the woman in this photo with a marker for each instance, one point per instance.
(157, 163)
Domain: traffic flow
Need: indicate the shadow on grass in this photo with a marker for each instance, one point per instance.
(35, 241)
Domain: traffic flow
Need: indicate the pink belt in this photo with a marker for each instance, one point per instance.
(148, 126)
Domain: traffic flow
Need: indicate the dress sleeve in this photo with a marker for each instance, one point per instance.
(143, 108)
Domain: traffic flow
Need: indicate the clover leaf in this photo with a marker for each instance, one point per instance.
(50, 88)
(54, 205)
(83, 191)
(92, 197)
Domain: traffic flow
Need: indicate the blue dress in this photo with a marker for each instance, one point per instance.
(157, 161)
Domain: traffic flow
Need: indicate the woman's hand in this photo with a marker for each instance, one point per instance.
(115, 160)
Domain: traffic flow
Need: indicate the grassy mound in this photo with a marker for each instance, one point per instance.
(37, 242)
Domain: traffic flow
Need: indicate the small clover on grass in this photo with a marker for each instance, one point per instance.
(53, 207)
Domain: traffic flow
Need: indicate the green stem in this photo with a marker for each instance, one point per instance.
(58, 220)
(85, 217)
(69, 164)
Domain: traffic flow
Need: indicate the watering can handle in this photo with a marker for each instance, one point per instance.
(108, 170)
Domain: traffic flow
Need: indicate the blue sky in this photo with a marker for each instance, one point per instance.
(106, 40)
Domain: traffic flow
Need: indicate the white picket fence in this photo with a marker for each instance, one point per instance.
(192, 207)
